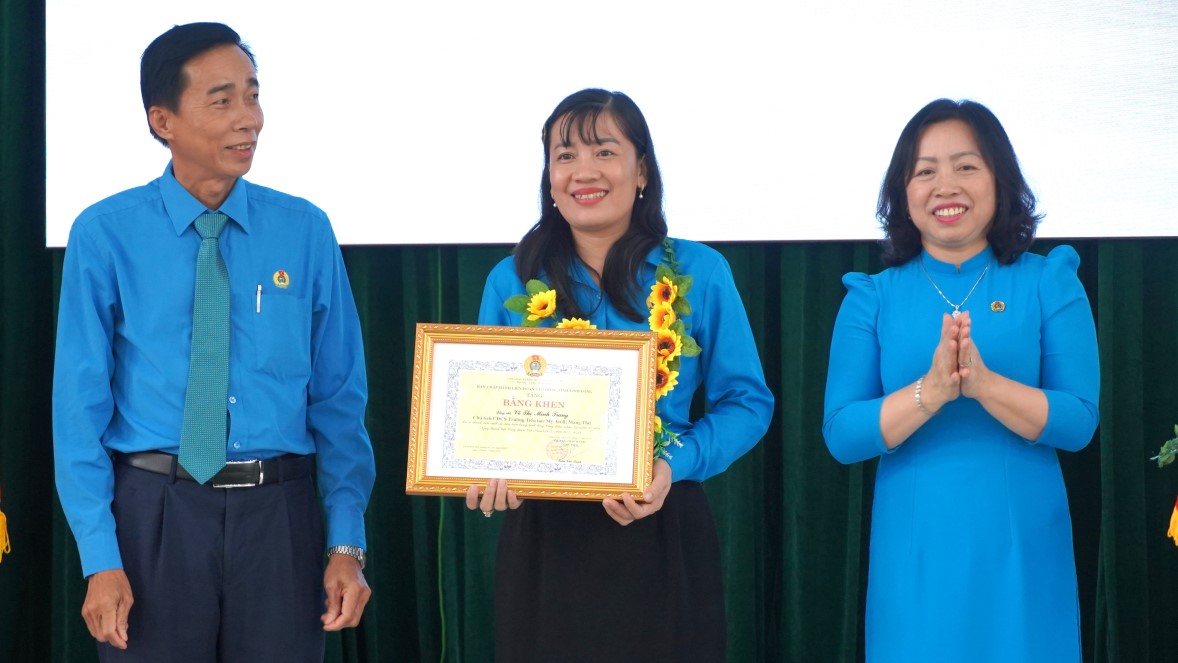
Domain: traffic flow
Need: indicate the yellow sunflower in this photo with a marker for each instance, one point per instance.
(575, 323)
(662, 291)
(542, 305)
(669, 344)
(665, 380)
(662, 316)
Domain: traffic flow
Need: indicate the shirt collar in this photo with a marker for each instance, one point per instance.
(971, 265)
(581, 272)
(183, 208)
(656, 254)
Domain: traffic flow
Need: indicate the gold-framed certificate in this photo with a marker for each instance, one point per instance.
(559, 413)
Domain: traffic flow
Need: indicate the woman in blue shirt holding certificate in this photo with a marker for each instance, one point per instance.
(566, 570)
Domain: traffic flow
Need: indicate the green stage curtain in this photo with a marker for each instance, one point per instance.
(793, 522)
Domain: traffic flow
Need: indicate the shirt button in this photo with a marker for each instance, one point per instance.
(232, 400)
(237, 445)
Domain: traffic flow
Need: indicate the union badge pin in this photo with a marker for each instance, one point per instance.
(281, 278)
(997, 306)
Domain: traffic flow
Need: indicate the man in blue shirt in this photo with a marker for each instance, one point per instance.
(230, 569)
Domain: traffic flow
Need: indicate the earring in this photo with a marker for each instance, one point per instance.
(640, 192)
(554, 203)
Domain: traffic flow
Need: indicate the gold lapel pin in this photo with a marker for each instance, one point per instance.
(997, 306)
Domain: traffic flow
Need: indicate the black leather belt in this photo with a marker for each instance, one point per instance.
(235, 474)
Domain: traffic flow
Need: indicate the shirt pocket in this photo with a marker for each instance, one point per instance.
(282, 336)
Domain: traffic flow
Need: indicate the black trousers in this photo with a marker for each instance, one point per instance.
(227, 575)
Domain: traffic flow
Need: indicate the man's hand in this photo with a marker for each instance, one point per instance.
(107, 605)
(347, 593)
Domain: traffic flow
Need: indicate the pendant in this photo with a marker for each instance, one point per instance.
(956, 312)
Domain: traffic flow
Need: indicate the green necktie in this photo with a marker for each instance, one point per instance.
(203, 435)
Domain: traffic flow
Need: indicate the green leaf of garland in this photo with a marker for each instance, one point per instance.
(517, 303)
(681, 307)
(536, 286)
(690, 347)
(663, 272)
(1168, 452)
(683, 283)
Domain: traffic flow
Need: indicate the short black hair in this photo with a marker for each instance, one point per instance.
(1015, 220)
(161, 70)
(547, 249)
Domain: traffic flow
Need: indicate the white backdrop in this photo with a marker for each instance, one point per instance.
(419, 122)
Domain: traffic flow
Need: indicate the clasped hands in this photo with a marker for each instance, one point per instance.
(497, 497)
(957, 368)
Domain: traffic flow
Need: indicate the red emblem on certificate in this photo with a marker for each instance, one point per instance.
(535, 366)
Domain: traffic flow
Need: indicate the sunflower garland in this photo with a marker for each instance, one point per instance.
(5, 543)
(668, 307)
(1166, 455)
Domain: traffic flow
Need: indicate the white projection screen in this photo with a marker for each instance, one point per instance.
(419, 122)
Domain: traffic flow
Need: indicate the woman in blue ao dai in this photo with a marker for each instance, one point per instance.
(964, 368)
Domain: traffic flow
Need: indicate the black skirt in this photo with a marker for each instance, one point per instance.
(573, 585)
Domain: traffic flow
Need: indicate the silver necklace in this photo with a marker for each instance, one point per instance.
(956, 307)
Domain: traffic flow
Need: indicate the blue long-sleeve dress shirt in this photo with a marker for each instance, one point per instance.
(297, 381)
(739, 404)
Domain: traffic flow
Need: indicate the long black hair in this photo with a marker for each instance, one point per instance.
(548, 248)
(1013, 228)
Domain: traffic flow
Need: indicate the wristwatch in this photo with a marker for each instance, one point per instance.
(350, 551)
